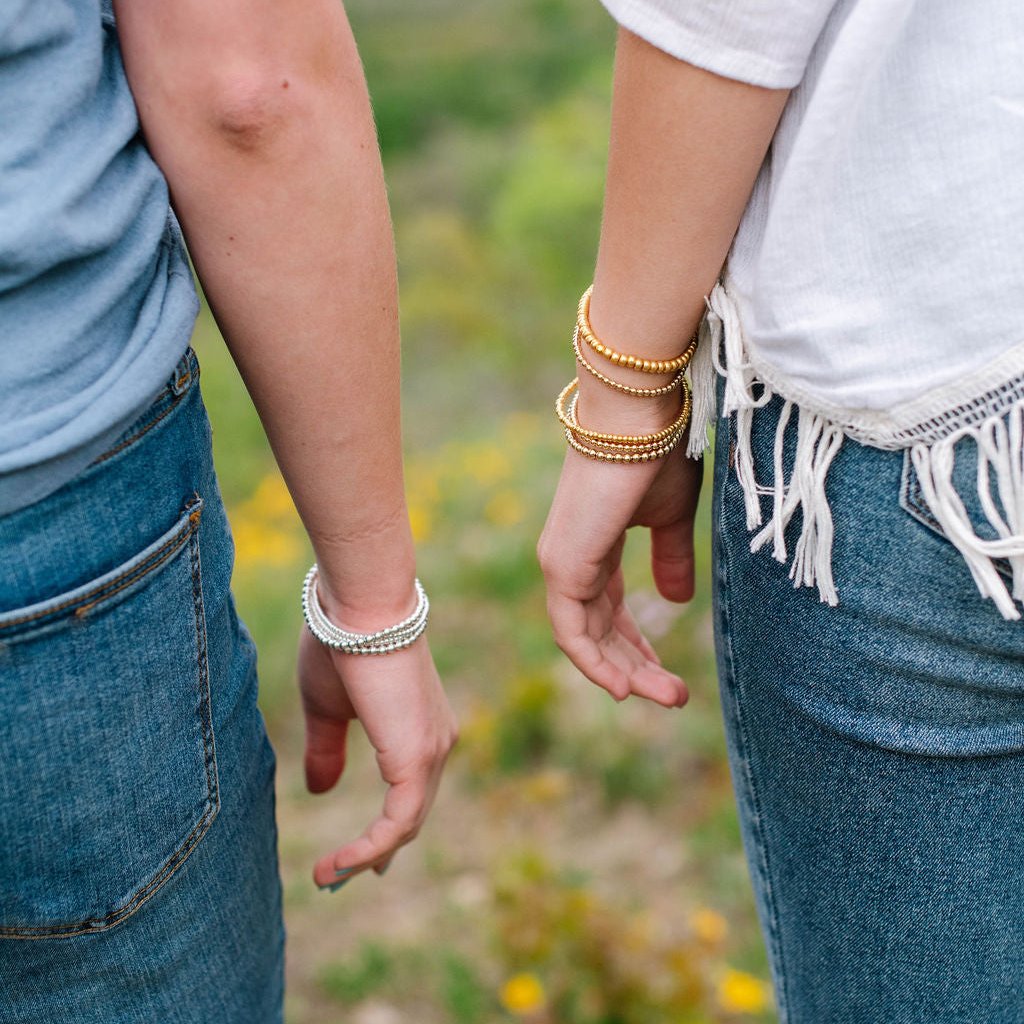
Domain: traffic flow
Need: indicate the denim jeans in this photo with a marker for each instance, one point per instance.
(138, 865)
(877, 754)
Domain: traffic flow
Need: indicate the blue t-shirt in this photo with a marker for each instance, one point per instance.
(97, 302)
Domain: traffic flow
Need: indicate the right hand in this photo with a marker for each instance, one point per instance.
(399, 701)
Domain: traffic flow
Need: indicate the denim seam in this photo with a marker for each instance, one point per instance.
(775, 936)
(142, 431)
(126, 579)
(205, 703)
(175, 391)
(70, 930)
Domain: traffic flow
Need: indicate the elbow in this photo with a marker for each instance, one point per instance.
(252, 112)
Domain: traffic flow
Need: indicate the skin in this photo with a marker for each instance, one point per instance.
(686, 146)
(258, 115)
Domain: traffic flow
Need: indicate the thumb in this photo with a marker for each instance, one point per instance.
(326, 740)
(672, 560)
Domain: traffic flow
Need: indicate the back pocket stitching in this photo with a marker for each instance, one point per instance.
(63, 930)
(107, 589)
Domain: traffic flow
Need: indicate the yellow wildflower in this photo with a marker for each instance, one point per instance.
(523, 995)
(708, 926)
(485, 463)
(506, 508)
(271, 499)
(739, 992)
(259, 544)
(547, 787)
(421, 521)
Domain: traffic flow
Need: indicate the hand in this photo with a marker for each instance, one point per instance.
(399, 701)
(580, 553)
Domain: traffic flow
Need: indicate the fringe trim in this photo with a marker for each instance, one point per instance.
(1000, 441)
(998, 434)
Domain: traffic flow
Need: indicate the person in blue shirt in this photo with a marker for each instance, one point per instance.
(138, 871)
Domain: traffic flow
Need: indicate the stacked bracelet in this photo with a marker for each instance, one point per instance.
(622, 447)
(680, 362)
(674, 383)
(619, 447)
(382, 641)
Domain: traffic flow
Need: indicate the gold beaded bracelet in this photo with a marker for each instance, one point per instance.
(675, 382)
(618, 358)
(620, 447)
(594, 453)
(567, 416)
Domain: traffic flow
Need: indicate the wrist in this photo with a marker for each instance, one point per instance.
(377, 604)
(603, 408)
(368, 583)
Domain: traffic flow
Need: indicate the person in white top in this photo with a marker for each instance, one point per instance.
(830, 192)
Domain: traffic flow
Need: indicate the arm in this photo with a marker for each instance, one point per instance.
(686, 146)
(258, 116)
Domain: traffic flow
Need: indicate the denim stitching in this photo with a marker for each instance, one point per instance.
(175, 390)
(205, 701)
(126, 579)
(145, 429)
(70, 930)
(775, 937)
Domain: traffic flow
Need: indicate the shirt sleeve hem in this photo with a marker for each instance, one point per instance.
(674, 38)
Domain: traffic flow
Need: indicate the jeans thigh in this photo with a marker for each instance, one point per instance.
(877, 753)
(138, 874)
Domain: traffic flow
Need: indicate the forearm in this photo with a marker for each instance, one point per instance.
(268, 145)
(686, 146)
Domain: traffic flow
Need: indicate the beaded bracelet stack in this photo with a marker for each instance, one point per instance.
(622, 448)
(383, 641)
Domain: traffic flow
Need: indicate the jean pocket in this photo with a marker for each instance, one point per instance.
(965, 478)
(110, 776)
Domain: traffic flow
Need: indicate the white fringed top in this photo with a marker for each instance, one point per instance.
(876, 282)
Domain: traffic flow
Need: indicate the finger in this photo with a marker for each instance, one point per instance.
(626, 623)
(672, 562)
(644, 676)
(608, 658)
(572, 633)
(326, 743)
(654, 683)
(405, 807)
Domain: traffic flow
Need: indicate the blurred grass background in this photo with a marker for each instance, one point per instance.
(583, 863)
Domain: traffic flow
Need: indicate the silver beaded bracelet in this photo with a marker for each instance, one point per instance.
(383, 641)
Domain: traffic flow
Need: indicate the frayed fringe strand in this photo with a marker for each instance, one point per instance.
(702, 393)
(1000, 442)
(817, 443)
(999, 437)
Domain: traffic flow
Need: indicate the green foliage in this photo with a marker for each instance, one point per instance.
(373, 968)
(464, 995)
(526, 728)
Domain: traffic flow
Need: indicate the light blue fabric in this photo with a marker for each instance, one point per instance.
(138, 865)
(877, 752)
(97, 302)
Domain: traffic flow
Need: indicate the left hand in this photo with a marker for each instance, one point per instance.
(580, 552)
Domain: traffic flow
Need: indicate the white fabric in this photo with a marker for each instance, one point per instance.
(881, 255)
(876, 282)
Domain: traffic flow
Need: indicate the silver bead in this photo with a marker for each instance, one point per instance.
(382, 641)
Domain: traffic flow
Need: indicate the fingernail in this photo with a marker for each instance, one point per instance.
(341, 872)
(337, 885)
(383, 870)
